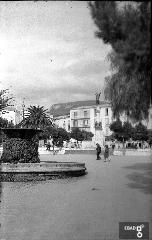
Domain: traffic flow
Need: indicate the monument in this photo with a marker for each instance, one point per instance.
(99, 136)
(97, 98)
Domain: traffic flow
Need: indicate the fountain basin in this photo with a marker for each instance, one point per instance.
(40, 171)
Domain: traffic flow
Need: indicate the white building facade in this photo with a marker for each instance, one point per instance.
(62, 122)
(95, 119)
(11, 115)
(89, 118)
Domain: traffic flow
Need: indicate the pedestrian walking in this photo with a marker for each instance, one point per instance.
(106, 154)
(113, 147)
(48, 146)
(98, 149)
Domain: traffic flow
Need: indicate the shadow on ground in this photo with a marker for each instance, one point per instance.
(141, 177)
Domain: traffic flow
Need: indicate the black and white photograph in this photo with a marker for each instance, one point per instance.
(75, 120)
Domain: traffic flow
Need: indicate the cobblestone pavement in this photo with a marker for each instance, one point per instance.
(84, 208)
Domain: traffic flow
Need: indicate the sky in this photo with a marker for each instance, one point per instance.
(49, 53)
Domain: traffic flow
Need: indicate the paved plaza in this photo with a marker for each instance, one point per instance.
(89, 207)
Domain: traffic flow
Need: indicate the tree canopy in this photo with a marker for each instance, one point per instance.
(79, 135)
(127, 29)
(126, 131)
(60, 136)
(4, 123)
(37, 118)
(140, 132)
(57, 134)
(117, 128)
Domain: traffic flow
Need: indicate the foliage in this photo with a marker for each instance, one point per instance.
(140, 133)
(117, 128)
(80, 135)
(3, 122)
(51, 131)
(127, 131)
(60, 136)
(20, 150)
(37, 118)
(77, 134)
(150, 136)
(57, 134)
(127, 30)
(87, 135)
(110, 138)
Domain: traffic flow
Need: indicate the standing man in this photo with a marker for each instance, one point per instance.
(113, 147)
(48, 146)
(98, 149)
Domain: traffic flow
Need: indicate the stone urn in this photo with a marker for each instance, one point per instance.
(20, 145)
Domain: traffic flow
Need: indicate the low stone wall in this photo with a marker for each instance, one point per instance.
(41, 167)
(80, 151)
(40, 171)
(88, 145)
(117, 152)
(132, 152)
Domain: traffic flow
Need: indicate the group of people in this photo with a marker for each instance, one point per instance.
(106, 153)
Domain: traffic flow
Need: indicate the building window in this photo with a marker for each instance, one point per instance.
(75, 123)
(85, 113)
(107, 121)
(106, 111)
(85, 122)
(75, 114)
(95, 112)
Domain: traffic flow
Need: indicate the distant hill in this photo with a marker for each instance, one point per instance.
(62, 109)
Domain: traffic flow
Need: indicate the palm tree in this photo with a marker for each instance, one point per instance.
(37, 118)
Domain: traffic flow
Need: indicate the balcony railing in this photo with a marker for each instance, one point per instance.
(79, 117)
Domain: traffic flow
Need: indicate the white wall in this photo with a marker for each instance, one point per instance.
(101, 117)
(12, 115)
(63, 122)
(80, 117)
(9, 115)
(92, 121)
